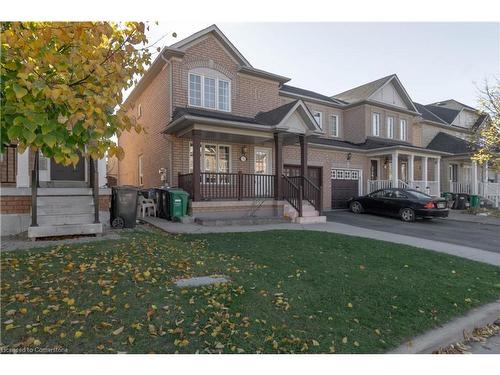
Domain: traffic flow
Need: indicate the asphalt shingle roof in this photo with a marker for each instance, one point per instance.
(182, 111)
(270, 118)
(309, 93)
(447, 114)
(428, 115)
(448, 143)
(369, 144)
(362, 92)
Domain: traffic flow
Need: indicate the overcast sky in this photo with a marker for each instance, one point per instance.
(434, 61)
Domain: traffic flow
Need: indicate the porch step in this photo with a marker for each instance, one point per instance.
(241, 221)
(310, 220)
(63, 219)
(61, 210)
(64, 230)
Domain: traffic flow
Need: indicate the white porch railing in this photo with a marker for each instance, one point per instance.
(491, 191)
(427, 187)
(460, 187)
(378, 184)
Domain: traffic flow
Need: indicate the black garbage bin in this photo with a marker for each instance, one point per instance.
(162, 200)
(462, 201)
(123, 211)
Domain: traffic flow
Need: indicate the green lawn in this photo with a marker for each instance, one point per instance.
(291, 291)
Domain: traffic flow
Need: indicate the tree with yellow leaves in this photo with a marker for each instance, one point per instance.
(487, 137)
(62, 84)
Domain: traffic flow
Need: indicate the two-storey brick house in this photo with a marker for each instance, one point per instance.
(240, 140)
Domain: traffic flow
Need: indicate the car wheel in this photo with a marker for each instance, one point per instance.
(356, 207)
(407, 215)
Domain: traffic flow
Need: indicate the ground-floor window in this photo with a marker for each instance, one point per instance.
(215, 158)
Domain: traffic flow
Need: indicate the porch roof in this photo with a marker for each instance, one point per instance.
(448, 143)
(280, 119)
(374, 145)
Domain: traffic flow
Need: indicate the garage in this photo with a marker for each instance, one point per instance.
(345, 185)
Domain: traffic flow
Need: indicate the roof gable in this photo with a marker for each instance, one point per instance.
(185, 43)
(293, 117)
(387, 90)
(393, 93)
(362, 92)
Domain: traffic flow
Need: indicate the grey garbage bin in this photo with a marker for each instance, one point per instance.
(123, 211)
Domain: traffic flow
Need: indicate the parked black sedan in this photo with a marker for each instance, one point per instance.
(407, 204)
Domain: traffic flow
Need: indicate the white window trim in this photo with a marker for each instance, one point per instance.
(139, 111)
(390, 126)
(217, 80)
(376, 125)
(202, 155)
(140, 169)
(337, 121)
(320, 124)
(403, 129)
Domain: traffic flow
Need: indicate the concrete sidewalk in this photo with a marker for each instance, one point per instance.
(452, 332)
(332, 227)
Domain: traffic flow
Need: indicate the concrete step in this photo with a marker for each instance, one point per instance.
(65, 219)
(65, 201)
(64, 230)
(61, 191)
(66, 209)
(241, 221)
(310, 220)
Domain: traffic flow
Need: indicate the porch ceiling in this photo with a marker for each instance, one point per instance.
(228, 135)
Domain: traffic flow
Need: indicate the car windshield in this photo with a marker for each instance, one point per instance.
(419, 195)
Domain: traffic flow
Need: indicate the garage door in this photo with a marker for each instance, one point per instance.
(345, 185)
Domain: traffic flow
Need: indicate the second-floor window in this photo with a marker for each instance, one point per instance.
(376, 124)
(403, 130)
(318, 116)
(335, 126)
(390, 127)
(208, 92)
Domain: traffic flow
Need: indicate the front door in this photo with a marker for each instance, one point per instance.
(315, 174)
(263, 166)
(403, 171)
(59, 172)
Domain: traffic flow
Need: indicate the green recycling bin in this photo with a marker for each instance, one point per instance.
(474, 201)
(178, 203)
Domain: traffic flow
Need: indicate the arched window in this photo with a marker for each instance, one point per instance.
(208, 88)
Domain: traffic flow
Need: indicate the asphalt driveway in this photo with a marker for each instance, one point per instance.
(479, 236)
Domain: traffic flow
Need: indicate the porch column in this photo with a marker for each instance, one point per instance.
(424, 172)
(23, 169)
(485, 171)
(437, 175)
(196, 139)
(303, 155)
(395, 169)
(411, 175)
(278, 169)
(474, 177)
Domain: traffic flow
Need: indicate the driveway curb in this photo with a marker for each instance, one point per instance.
(450, 332)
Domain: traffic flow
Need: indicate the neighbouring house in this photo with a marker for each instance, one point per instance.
(48, 199)
(242, 141)
(111, 171)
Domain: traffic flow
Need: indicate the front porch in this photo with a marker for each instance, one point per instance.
(466, 176)
(47, 199)
(240, 162)
(405, 170)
